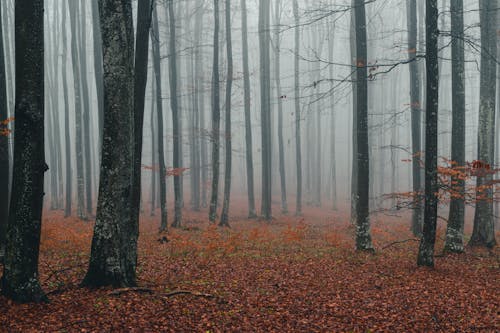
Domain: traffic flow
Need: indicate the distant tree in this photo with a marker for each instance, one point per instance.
(426, 249)
(98, 67)
(215, 135)
(114, 244)
(67, 130)
(224, 220)
(483, 233)
(363, 237)
(265, 97)
(4, 146)
(20, 280)
(248, 120)
(298, 144)
(455, 229)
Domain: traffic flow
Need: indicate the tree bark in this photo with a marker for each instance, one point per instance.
(98, 67)
(67, 130)
(20, 276)
(426, 249)
(113, 253)
(455, 228)
(298, 144)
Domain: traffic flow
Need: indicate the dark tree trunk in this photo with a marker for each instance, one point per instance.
(224, 219)
(483, 233)
(113, 254)
(416, 109)
(20, 276)
(298, 151)
(97, 42)
(175, 118)
(455, 229)
(265, 90)
(155, 36)
(277, 71)
(426, 249)
(215, 135)
(248, 121)
(67, 130)
(144, 13)
(80, 180)
(4, 147)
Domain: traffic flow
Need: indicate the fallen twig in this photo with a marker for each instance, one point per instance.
(400, 242)
(118, 292)
(187, 292)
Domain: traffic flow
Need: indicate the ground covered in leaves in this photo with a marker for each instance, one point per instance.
(294, 274)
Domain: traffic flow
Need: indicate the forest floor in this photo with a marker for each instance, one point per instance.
(294, 274)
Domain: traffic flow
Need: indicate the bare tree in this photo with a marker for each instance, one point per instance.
(298, 144)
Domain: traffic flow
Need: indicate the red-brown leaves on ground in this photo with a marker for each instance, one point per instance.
(295, 274)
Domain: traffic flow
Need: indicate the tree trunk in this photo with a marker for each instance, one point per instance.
(97, 42)
(175, 119)
(113, 254)
(483, 233)
(155, 36)
(20, 276)
(363, 237)
(415, 106)
(354, 164)
(298, 152)
(426, 249)
(4, 147)
(248, 121)
(215, 136)
(67, 130)
(333, 175)
(455, 229)
(265, 90)
(224, 220)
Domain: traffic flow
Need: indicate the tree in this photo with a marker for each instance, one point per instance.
(215, 136)
(298, 144)
(426, 249)
(248, 121)
(455, 228)
(20, 277)
(363, 237)
(483, 233)
(67, 134)
(416, 109)
(4, 147)
(155, 37)
(98, 67)
(174, 105)
(224, 220)
(265, 107)
(114, 243)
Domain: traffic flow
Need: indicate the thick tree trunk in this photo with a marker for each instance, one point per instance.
(174, 104)
(224, 220)
(416, 109)
(20, 276)
(298, 144)
(4, 147)
(483, 233)
(363, 237)
(426, 249)
(215, 135)
(279, 97)
(455, 229)
(248, 121)
(155, 36)
(113, 254)
(265, 90)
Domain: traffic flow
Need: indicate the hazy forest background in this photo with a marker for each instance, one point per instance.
(249, 165)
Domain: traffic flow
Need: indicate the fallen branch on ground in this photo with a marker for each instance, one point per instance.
(400, 242)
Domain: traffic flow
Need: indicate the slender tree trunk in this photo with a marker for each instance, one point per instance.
(80, 180)
(363, 237)
(175, 118)
(155, 36)
(354, 164)
(67, 130)
(455, 229)
(113, 254)
(483, 233)
(298, 144)
(20, 276)
(215, 136)
(248, 120)
(265, 90)
(415, 106)
(333, 175)
(426, 249)
(4, 146)
(153, 150)
(98, 67)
